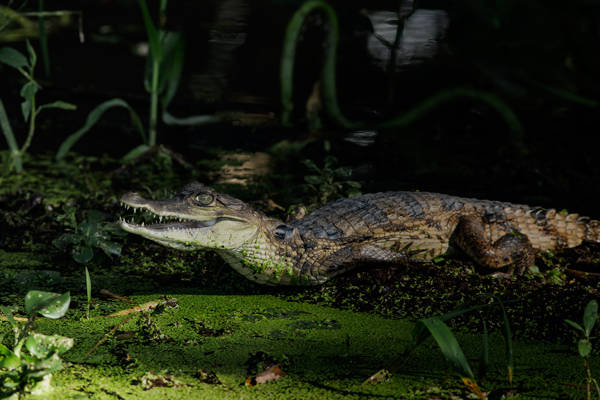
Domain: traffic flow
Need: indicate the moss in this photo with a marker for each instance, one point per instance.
(21, 260)
(326, 353)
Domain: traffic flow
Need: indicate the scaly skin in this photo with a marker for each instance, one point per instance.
(391, 227)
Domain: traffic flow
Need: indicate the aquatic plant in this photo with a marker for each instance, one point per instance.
(92, 232)
(161, 80)
(29, 107)
(451, 349)
(29, 365)
(329, 182)
(584, 345)
(329, 89)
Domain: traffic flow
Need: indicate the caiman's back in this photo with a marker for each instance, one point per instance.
(425, 222)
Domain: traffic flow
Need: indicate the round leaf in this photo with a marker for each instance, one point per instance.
(50, 305)
(42, 346)
(82, 254)
(8, 359)
(64, 240)
(585, 347)
(110, 248)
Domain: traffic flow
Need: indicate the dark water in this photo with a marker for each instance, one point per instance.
(523, 53)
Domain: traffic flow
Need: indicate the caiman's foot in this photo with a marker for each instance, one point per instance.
(512, 251)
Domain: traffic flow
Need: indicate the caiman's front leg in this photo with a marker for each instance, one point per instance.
(512, 250)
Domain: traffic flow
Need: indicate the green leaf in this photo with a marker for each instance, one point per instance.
(343, 172)
(484, 361)
(41, 346)
(32, 55)
(43, 386)
(8, 359)
(590, 315)
(449, 346)
(82, 254)
(153, 33)
(91, 120)
(66, 239)
(171, 66)
(313, 179)
(585, 347)
(9, 315)
(575, 325)
(191, 120)
(13, 57)
(57, 104)
(48, 304)
(135, 152)
(310, 164)
(88, 285)
(110, 248)
(329, 161)
(506, 332)
(28, 93)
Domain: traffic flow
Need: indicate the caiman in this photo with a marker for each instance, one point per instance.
(379, 228)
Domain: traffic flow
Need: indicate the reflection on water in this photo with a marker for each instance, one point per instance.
(227, 33)
(361, 138)
(421, 38)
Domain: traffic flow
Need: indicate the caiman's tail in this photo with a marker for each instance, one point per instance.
(592, 231)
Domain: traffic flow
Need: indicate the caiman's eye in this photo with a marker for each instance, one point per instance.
(203, 199)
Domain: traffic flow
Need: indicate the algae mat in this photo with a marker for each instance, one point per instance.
(207, 345)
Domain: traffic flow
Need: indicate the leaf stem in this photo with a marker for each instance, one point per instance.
(154, 101)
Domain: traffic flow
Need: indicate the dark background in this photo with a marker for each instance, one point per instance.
(540, 57)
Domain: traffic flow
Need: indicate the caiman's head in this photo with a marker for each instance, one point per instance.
(196, 218)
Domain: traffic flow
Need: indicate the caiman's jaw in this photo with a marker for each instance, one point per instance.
(196, 218)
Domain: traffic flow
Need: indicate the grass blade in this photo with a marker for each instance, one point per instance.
(43, 39)
(15, 154)
(92, 118)
(191, 120)
(171, 66)
(88, 289)
(153, 33)
(507, 333)
(449, 346)
(485, 351)
(63, 105)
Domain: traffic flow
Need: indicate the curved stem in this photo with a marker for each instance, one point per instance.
(330, 90)
(153, 102)
(32, 116)
(287, 63)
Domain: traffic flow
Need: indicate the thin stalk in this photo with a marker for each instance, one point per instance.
(589, 378)
(154, 102)
(44, 40)
(31, 127)
(15, 154)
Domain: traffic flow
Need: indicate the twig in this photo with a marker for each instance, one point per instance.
(107, 335)
(107, 292)
(142, 307)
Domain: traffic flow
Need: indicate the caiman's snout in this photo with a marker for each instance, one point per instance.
(195, 218)
(132, 199)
